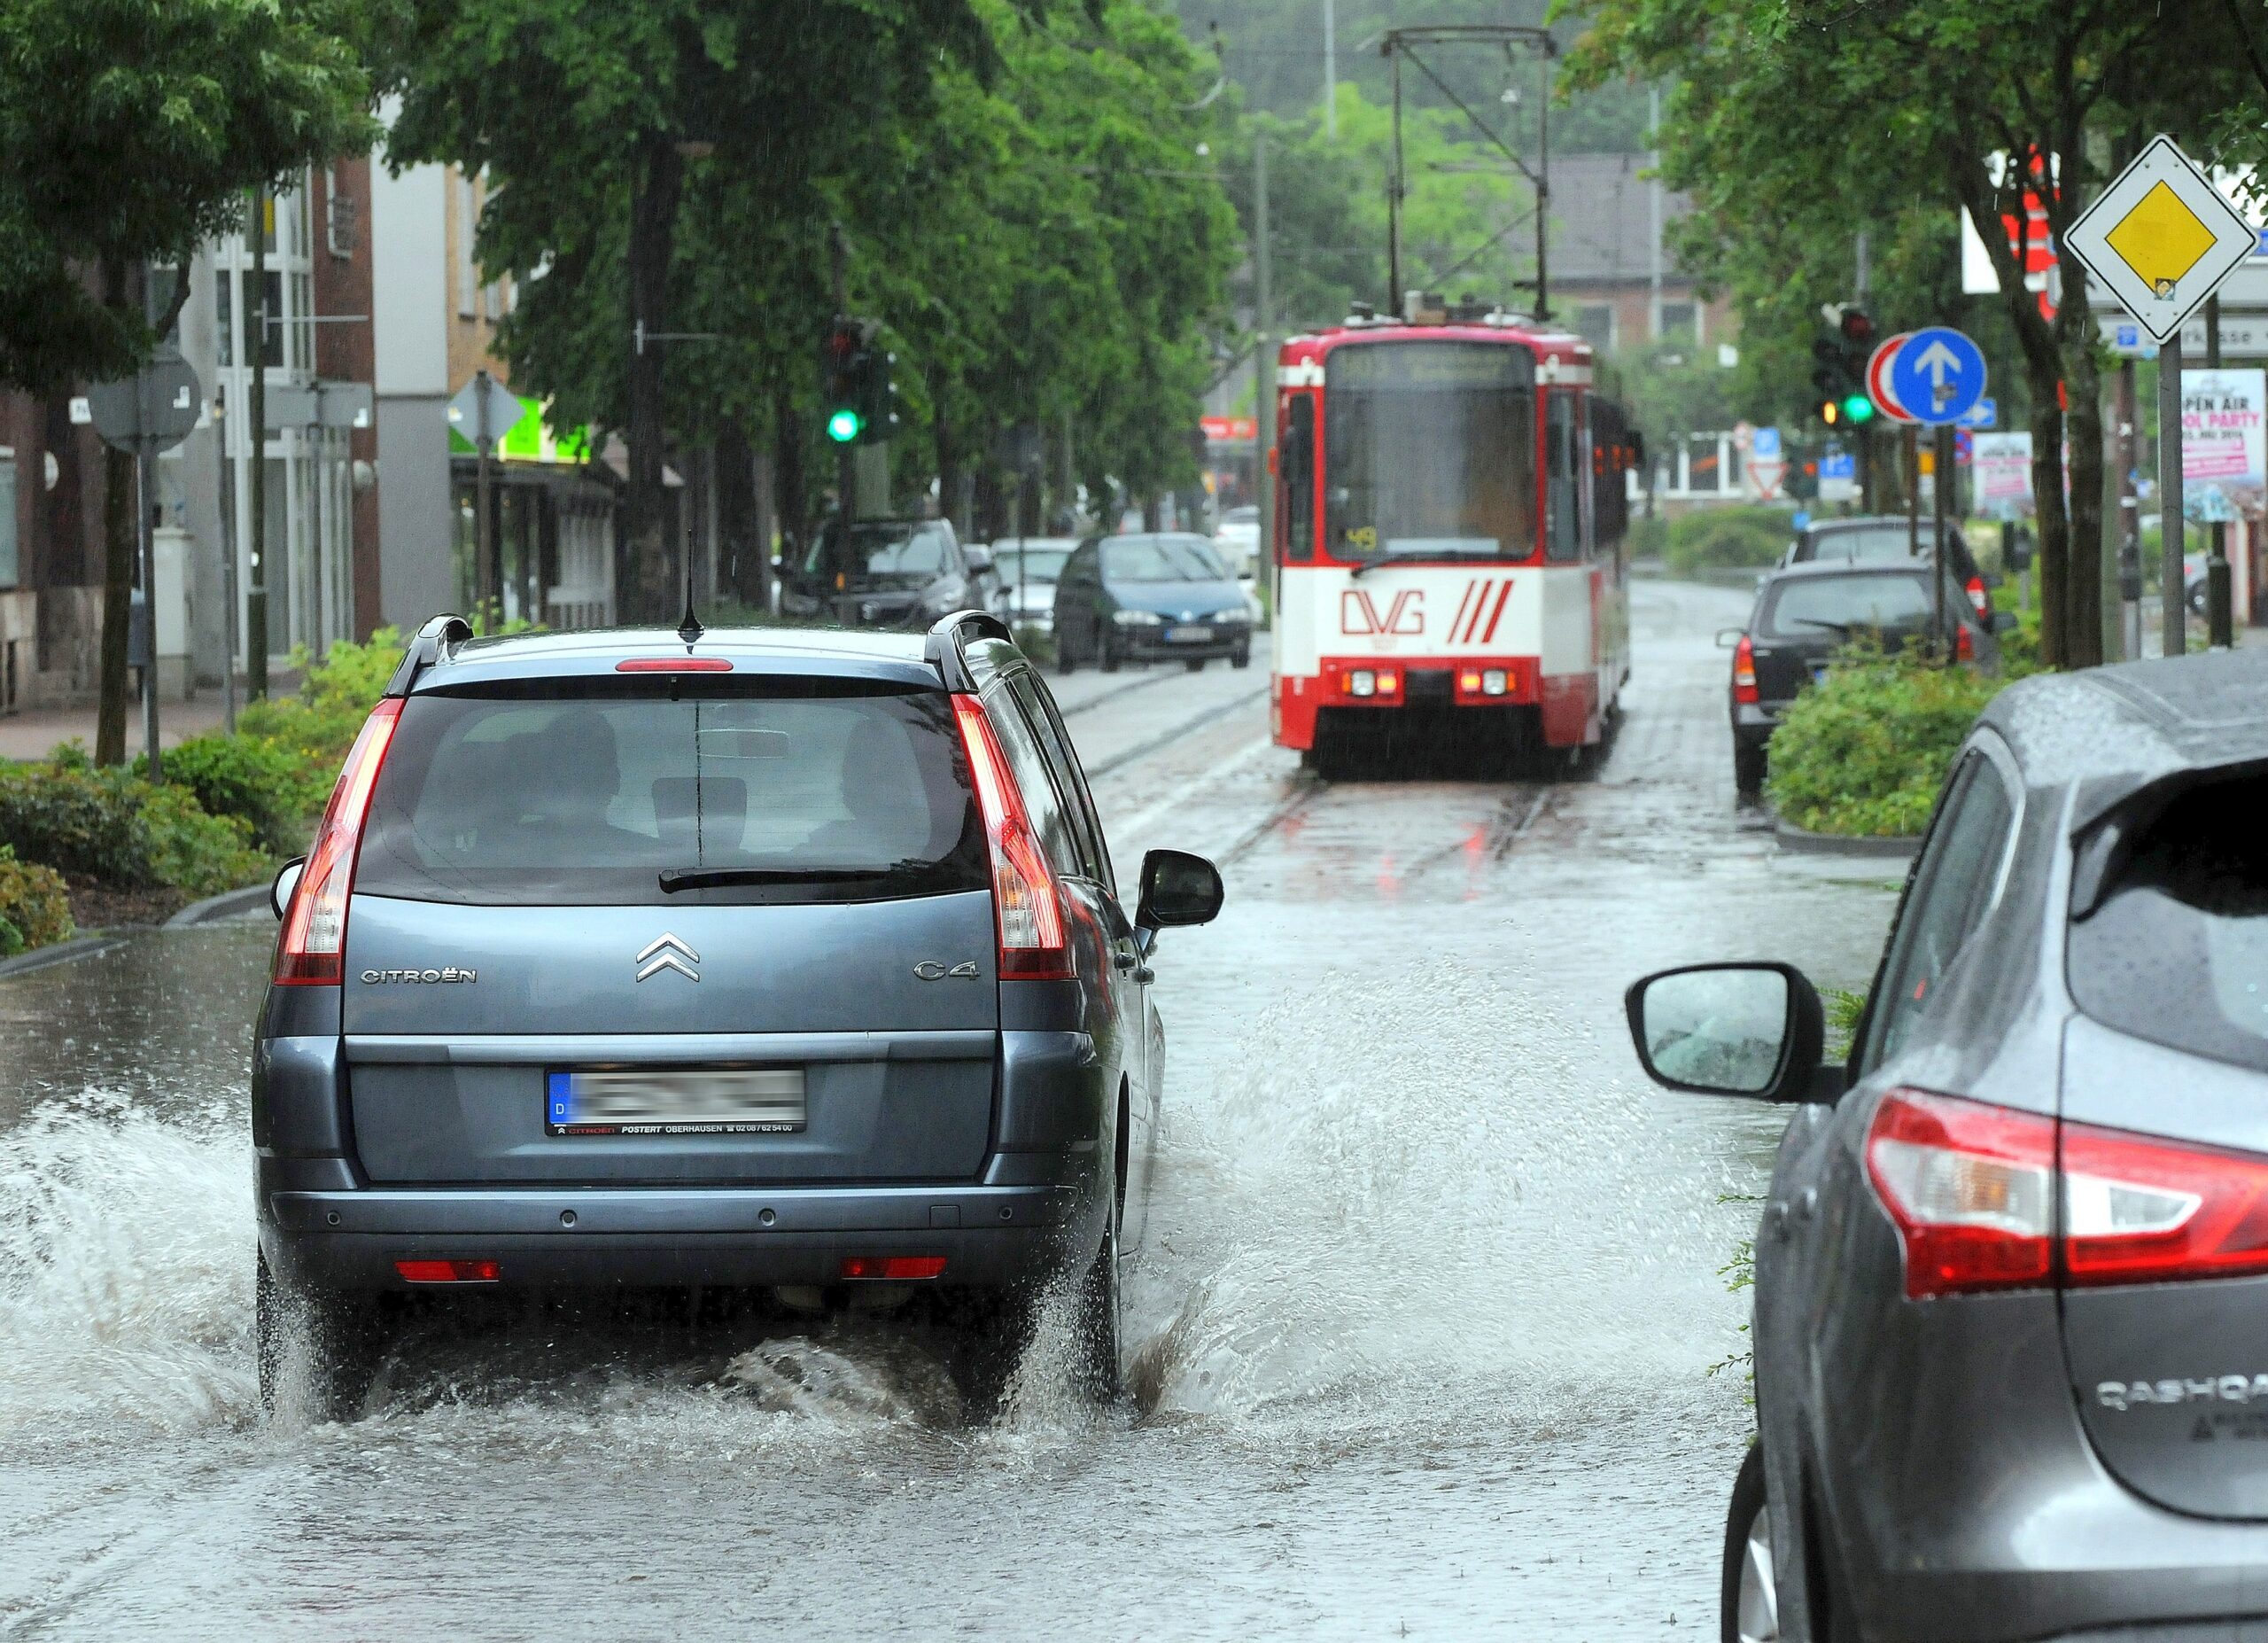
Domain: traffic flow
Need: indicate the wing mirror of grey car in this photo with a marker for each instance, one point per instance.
(1177, 888)
(1754, 1030)
(287, 880)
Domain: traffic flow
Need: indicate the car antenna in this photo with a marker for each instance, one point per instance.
(690, 629)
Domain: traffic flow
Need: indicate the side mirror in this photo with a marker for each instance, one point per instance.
(2004, 621)
(1177, 888)
(1728, 637)
(1754, 1030)
(287, 880)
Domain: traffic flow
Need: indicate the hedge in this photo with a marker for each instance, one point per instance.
(34, 906)
(112, 826)
(1731, 537)
(1865, 750)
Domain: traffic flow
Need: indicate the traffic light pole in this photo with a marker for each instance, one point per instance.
(2220, 619)
(846, 461)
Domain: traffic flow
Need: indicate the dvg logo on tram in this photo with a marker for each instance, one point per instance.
(1357, 614)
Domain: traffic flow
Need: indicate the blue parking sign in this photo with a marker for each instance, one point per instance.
(1765, 443)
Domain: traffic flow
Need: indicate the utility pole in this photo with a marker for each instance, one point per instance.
(255, 438)
(2220, 620)
(1264, 352)
(2130, 513)
(1543, 190)
(846, 462)
(490, 575)
(1863, 435)
(1654, 206)
(1331, 69)
(1941, 480)
(1394, 191)
(2173, 608)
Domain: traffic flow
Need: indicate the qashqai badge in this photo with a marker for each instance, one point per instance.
(666, 951)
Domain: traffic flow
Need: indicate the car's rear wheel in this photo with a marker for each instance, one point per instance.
(1748, 768)
(1094, 1357)
(1751, 1605)
(328, 1341)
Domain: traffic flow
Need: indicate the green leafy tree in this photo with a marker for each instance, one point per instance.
(129, 131)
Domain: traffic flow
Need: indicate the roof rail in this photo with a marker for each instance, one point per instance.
(425, 649)
(943, 648)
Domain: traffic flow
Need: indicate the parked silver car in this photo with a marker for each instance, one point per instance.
(2011, 1326)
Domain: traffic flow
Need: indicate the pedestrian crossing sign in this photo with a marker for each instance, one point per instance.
(2162, 237)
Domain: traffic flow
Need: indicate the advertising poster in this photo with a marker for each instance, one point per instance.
(2001, 464)
(2224, 454)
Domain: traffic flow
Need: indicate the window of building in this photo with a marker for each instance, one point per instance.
(11, 568)
(1681, 320)
(1594, 324)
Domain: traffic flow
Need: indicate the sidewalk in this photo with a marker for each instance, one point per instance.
(33, 735)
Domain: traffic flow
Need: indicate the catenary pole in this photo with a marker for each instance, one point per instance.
(2173, 613)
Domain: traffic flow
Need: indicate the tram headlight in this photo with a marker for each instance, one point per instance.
(1493, 682)
(1362, 681)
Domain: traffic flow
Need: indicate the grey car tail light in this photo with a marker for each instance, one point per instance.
(1028, 905)
(308, 952)
(1991, 1198)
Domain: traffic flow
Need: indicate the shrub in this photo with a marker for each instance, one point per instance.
(320, 721)
(34, 906)
(1649, 537)
(112, 826)
(1728, 538)
(275, 791)
(1865, 752)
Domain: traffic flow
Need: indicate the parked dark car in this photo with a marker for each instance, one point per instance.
(1878, 539)
(1149, 597)
(1802, 616)
(886, 573)
(2011, 1282)
(782, 959)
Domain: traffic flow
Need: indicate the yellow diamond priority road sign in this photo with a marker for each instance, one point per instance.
(2161, 237)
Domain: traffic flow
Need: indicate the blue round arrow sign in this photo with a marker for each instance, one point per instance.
(1939, 376)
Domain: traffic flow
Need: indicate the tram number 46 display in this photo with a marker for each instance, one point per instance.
(1359, 614)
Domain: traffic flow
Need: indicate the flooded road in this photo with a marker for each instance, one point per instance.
(1422, 1331)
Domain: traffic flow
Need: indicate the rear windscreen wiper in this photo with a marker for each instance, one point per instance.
(675, 879)
(1812, 621)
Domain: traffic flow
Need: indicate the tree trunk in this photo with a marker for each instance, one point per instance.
(747, 556)
(2083, 593)
(949, 471)
(644, 576)
(119, 543)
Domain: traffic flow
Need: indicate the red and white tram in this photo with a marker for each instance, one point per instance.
(1450, 516)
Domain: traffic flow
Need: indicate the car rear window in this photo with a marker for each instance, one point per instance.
(1867, 544)
(1809, 606)
(2177, 950)
(584, 791)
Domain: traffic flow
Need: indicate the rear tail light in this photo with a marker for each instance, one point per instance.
(1027, 905)
(1975, 1192)
(1979, 597)
(674, 664)
(1964, 647)
(2138, 1210)
(449, 1272)
(309, 950)
(1744, 689)
(898, 1266)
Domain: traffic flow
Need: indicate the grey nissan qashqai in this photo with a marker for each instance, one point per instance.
(783, 961)
(2012, 1278)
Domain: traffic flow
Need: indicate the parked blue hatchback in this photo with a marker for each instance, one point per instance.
(1147, 598)
(792, 961)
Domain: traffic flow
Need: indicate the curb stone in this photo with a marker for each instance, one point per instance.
(227, 903)
(1804, 841)
(63, 952)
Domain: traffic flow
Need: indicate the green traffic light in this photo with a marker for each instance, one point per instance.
(842, 426)
(1858, 407)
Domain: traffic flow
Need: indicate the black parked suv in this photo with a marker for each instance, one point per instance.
(886, 573)
(1804, 615)
(774, 959)
(1885, 538)
(2011, 1326)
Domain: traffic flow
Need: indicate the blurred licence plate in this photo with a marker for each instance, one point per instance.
(675, 1101)
(1188, 635)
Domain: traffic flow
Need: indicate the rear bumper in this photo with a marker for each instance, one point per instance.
(990, 1236)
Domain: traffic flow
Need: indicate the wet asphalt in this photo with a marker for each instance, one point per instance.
(1422, 1335)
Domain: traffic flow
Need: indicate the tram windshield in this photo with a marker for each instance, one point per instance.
(1429, 451)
